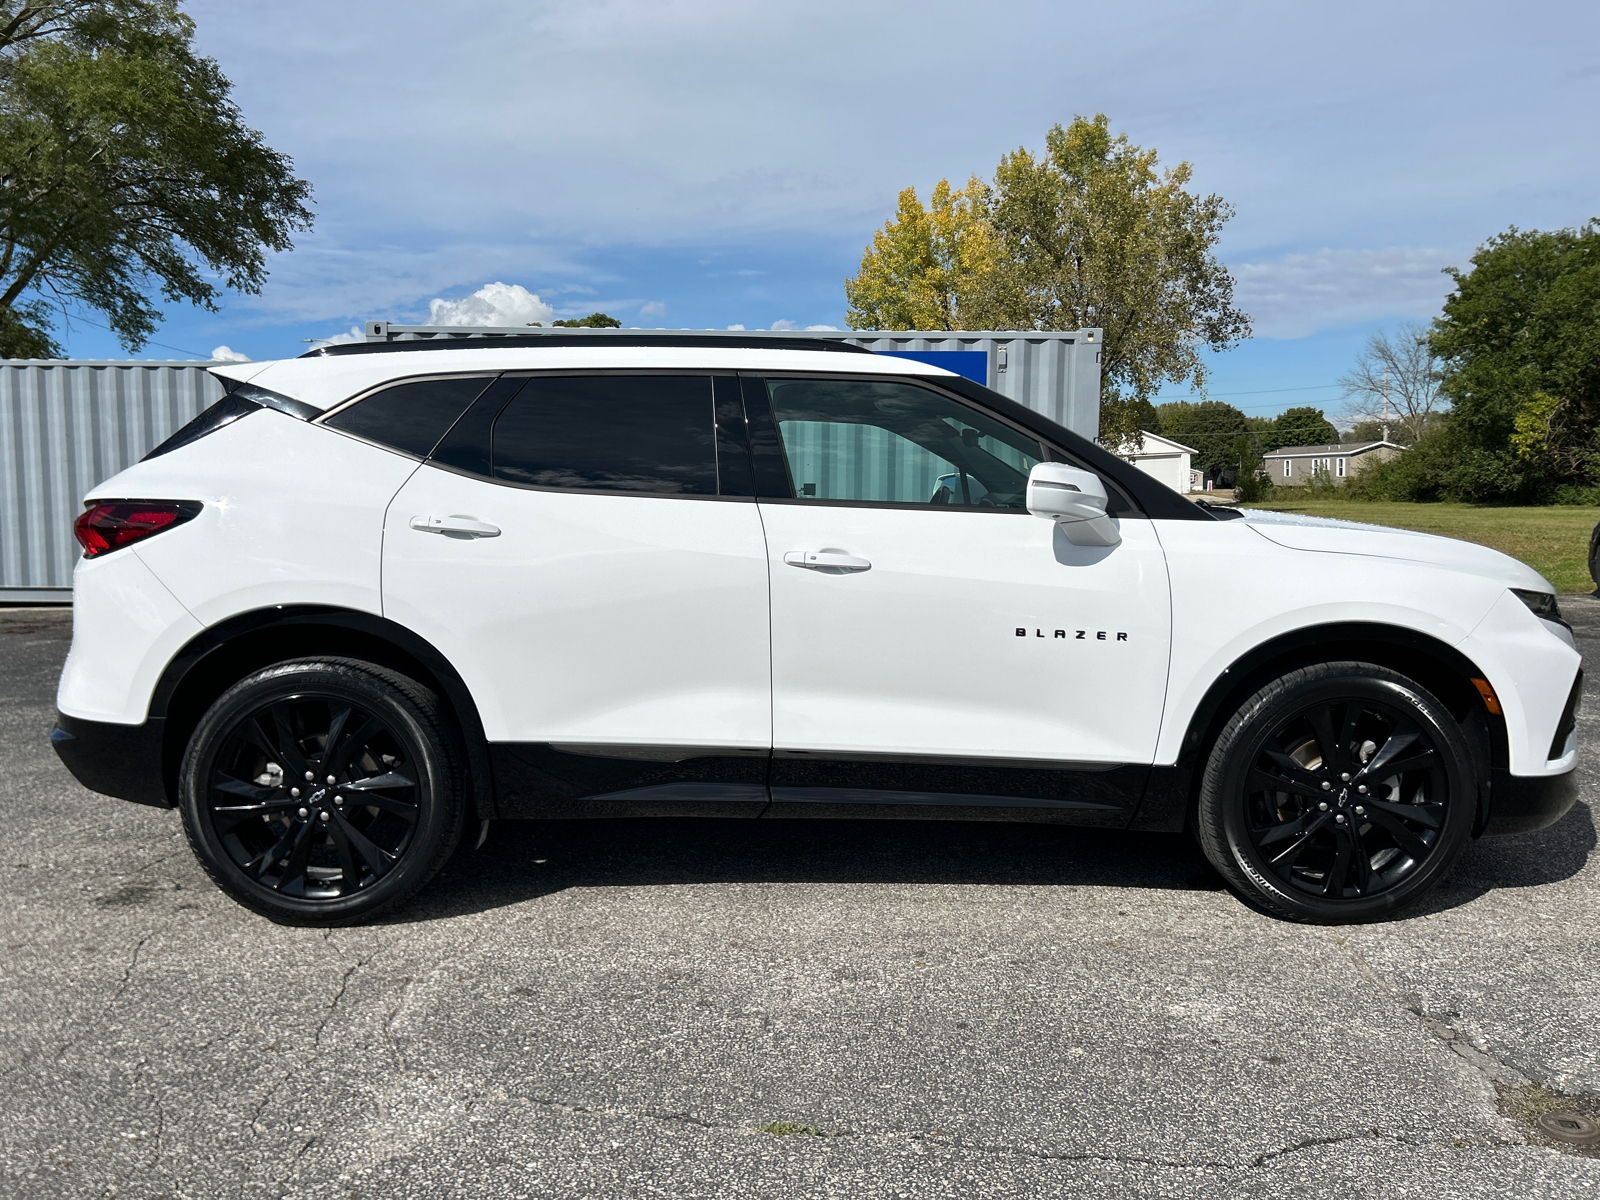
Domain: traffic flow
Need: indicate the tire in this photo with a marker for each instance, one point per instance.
(277, 836)
(1281, 815)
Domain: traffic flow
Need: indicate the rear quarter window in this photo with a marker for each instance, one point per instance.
(410, 417)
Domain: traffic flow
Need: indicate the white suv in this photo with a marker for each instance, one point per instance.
(382, 591)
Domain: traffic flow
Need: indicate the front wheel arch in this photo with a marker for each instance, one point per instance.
(1437, 666)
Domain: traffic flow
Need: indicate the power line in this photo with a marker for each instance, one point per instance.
(148, 342)
(1315, 387)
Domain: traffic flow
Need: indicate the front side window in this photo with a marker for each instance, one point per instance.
(896, 443)
(639, 434)
(1341, 468)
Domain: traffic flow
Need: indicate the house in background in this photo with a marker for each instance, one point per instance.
(1294, 466)
(1164, 459)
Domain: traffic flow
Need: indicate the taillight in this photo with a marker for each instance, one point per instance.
(109, 525)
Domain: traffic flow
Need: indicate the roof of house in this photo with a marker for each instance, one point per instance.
(1166, 446)
(1345, 449)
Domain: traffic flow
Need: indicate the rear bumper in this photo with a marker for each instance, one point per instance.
(1523, 803)
(117, 760)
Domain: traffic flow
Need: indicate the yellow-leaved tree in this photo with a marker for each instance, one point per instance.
(927, 266)
(1087, 235)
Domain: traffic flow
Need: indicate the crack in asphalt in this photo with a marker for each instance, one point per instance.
(122, 986)
(316, 1042)
(1258, 1162)
(1495, 1071)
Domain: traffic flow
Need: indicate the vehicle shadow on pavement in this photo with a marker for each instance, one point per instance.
(523, 860)
(1519, 861)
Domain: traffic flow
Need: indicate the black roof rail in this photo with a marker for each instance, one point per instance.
(733, 341)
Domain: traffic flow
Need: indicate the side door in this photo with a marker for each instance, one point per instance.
(586, 550)
(932, 642)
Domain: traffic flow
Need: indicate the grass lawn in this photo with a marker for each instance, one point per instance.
(1553, 541)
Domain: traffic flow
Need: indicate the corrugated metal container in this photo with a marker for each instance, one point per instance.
(65, 427)
(1057, 374)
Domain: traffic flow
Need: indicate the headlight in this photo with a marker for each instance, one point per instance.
(1540, 604)
(1543, 605)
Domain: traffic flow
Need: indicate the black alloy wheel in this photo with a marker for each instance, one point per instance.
(1337, 793)
(321, 791)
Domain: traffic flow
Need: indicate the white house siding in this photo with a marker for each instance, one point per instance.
(1164, 459)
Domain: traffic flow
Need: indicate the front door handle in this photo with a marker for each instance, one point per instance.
(825, 560)
(459, 526)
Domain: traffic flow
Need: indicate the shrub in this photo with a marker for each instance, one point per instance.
(1252, 487)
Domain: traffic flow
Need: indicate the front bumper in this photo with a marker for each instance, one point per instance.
(1523, 803)
(117, 760)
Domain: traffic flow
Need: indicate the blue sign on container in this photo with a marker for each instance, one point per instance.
(974, 364)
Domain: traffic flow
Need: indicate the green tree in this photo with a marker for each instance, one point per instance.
(595, 320)
(1303, 427)
(1218, 433)
(1087, 235)
(1094, 236)
(926, 266)
(125, 167)
(1520, 340)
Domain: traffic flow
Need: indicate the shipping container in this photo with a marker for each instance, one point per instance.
(65, 426)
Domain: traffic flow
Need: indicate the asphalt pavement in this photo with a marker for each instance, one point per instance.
(754, 1009)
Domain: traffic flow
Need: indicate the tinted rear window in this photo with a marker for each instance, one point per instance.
(650, 434)
(410, 417)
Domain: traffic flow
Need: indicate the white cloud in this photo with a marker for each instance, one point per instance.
(492, 304)
(653, 308)
(225, 354)
(736, 328)
(1298, 294)
(786, 324)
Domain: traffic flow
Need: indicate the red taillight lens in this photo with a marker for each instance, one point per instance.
(112, 524)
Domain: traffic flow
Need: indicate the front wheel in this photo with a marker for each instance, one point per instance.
(321, 791)
(1338, 793)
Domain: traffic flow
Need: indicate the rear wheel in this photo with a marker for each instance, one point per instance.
(321, 791)
(1340, 792)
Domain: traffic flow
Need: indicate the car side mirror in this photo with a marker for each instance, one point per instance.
(1076, 500)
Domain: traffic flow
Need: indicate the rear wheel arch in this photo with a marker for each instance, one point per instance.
(225, 653)
(1437, 666)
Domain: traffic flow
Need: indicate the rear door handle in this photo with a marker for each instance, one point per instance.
(460, 526)
(822, 560)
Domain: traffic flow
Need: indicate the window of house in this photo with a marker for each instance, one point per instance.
(1288, 468)
(896, 443)
(1341, 468)
(642, 434)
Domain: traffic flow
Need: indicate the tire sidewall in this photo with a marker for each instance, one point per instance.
(1223, 807)
(438, 814)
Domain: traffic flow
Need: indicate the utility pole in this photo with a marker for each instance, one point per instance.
(1386, 404)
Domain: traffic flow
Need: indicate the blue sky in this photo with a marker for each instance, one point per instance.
(697, 164)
